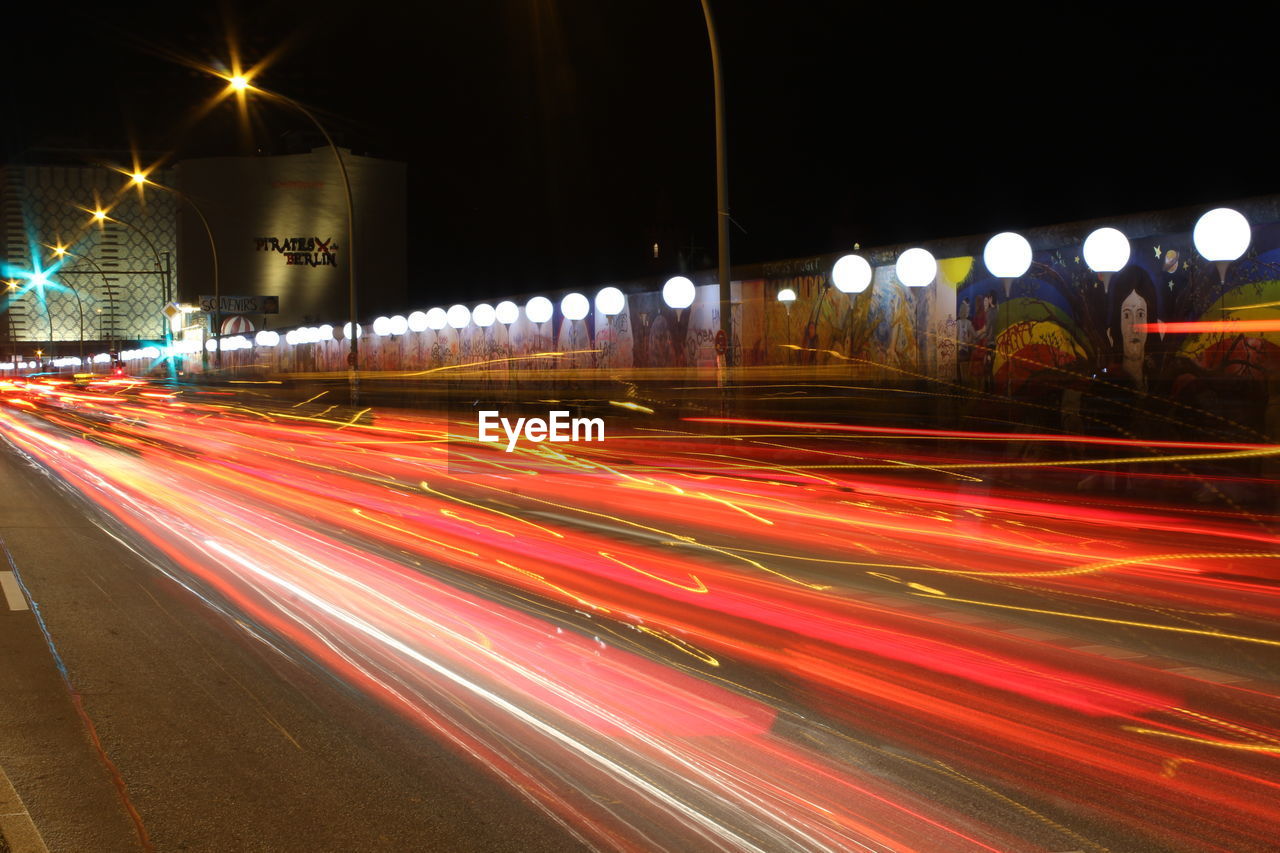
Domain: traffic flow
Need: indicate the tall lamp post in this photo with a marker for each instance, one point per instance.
(101, 217)
(1221, 236)
(240, 84)
(722, 191)
(62, 252)
(139, 179)
(1007, 256)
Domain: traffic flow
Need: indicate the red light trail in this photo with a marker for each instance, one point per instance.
(675, 644)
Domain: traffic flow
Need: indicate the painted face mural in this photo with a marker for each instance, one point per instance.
(1133, 333)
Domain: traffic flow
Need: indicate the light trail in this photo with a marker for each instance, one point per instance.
(674, 651)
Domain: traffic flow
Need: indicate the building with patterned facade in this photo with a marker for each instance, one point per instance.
(117, 275)
(273, 226)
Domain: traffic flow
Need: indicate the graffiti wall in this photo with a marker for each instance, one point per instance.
(1061, 339)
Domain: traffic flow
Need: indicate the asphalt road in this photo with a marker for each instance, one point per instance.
(379, 634)
(221, 743)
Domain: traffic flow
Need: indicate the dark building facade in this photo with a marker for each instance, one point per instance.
(279, 225)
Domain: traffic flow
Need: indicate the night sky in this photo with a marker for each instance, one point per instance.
(550, 143)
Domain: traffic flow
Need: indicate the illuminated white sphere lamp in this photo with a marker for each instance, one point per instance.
(851, 274)
(507, 312)
(610, 301)
(417, 321)
(346, 330)
(1106, 251)
(267, 338)
(916, 268)
(539, 309)
(786, 296)
(382, 326)
(1007, 255)
(574, 306)
(399, 324)
(1221, 236)
(459, 316)
(678, 292)
(484, 315)
(437, 319)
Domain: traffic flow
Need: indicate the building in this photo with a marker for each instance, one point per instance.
(271, 226)
(117, 273)
(279, 224)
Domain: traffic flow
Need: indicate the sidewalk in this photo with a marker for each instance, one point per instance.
(55, 792)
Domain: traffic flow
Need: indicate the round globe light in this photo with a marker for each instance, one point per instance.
(1221, 234)
(786, 296)
(917, 268)
(1007, 255)
(382, 326)
(267, 338)
(417, 321)
(538, 309)
(458, 316)
(1106, 250)
(399, 325)
(346, 330)
(210, 345)
(291, 337)
(610, 301)
(437, 319)
(678, 292)
(574, 306)
(851, 274)
(323, 333)
(507, 312)
(483, 314)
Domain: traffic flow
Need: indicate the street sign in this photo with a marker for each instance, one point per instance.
(241, 304)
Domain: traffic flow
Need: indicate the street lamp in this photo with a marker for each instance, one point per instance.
(574, 306)
(240, 84)
(851, 274)
(679, 294)
(786, 296)
(722, 189)
(139, 179)
(1221, 236)
(62, 252)
(458, 317)
(1106, 251)
(610, 301)
(1008, 257)
(101, 217)
(916, 268)
(507, 313)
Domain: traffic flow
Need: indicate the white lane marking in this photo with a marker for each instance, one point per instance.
(12, 592)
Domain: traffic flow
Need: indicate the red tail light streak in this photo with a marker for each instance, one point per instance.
(674, 644)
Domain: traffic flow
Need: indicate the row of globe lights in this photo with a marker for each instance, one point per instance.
(574, 306)
(1222, 235)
